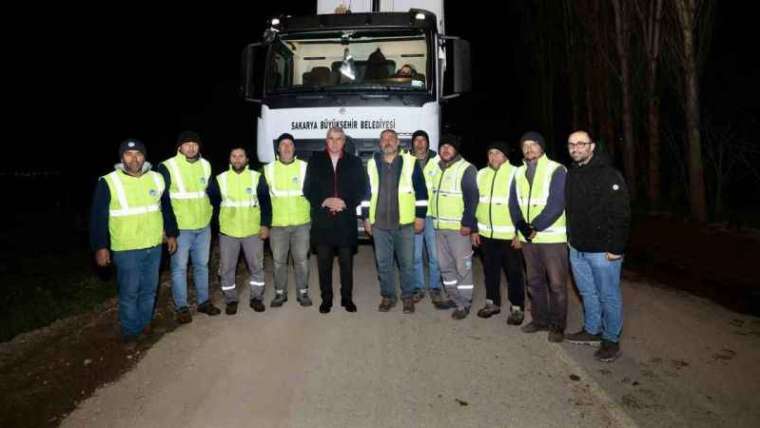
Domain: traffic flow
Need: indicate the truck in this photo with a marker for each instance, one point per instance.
(362, 65)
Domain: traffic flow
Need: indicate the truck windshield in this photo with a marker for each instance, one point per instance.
(349, 61)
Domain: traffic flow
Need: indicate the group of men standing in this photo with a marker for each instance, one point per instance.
(523, 219)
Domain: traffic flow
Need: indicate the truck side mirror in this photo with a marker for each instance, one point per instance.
(252, 72)
(458, 78)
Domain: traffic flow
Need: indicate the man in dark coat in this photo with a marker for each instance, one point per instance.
(334, 185)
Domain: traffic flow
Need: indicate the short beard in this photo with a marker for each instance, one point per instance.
(236, 169)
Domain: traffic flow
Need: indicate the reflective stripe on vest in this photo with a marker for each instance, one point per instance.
(492, 213)
(135, 221)
(446, 201)
(289, 206)
(239, 213)
(533, 198)
(406, 196)
(187, 191)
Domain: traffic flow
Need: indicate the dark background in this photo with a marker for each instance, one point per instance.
(94, 77)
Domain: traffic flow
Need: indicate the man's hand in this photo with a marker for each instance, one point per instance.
(532, 235)
(103, 257)
(475, 239)
(465, 231)
(171, 244)
(264, 233)
(516, 243)
(612, 257)
(419, 225)
(368, 227)
(334, 204)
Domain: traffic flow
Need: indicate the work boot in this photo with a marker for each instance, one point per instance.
(279, 299)
(231, 308)
(184, 316)
(516, 316)
(209, 309)
(556, 335)
(460, 314)
(348, 304)
(386, 304)
(444, 304)
(436, 296)
(257, 305)
(304, 299)
(584, 338)
(489, 310)
(608, 352)
(533, 327)
(129, 343)
(419, 294)
(408, 305)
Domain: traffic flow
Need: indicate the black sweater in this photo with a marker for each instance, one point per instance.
(597, 207)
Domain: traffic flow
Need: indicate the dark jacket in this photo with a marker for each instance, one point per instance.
(346, 182)
(100, 236)
(597, 210)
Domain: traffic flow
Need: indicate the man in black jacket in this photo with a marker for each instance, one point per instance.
(598, 219)
(334, 185)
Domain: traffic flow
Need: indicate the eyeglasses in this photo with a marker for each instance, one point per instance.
(579, 144)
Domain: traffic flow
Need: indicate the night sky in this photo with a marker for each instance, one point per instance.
(149, 74)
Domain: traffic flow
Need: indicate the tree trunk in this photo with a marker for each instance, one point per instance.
(622, 43)
(686, 13)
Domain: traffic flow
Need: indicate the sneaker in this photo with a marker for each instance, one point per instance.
(419, 294)
(325, 307)
(231, 308)
(184, 316)
(209, 309)
(533, 327)
(489, 310)
(408, 305)
(584, 338)
(516, 316)
(609, 352)
(386, 304)
(348, 304)
(460, 314)
(257, 305)
(445, 304)
(556, 335)
(304, 300)
(278, 300)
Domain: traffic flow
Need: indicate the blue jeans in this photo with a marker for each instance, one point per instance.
(428, 240)
(399, 243)
(137, 279)
(598, 281)
(193, 245)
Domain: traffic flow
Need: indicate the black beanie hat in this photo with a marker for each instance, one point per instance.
(285, 136)
(501, 146)
(533, 136)
(188, 136)
(421, 133)
(451, 140)
(131, 144)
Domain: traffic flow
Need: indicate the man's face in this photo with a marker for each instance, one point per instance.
(447, 152)
(580, 146)
(496, 158)
(531, 150)
(389, 143)
(238, 159)
(287, 150)
(133, 161)
(405, 71)
(420, 145)
(189, 149)
(335, 142)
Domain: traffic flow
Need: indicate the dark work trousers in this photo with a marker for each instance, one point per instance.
(499, 255)
(325, 256)
(547, 267)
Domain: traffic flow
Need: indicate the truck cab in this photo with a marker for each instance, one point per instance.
(363, 71)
